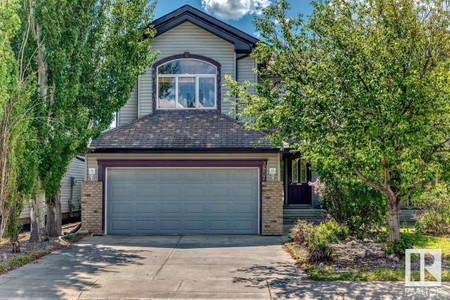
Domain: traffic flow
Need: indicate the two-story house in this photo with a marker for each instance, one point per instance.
(179, 162)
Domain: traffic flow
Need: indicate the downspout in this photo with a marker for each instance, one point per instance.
(72, 183)
(236, 107)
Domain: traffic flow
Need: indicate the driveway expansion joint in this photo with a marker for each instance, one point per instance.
(268, 288)
(168, 257)
(87, 288)
(10, 278)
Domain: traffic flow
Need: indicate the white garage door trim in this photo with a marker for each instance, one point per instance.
(257, 169)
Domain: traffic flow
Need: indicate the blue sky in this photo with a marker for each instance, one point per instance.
(238, 13)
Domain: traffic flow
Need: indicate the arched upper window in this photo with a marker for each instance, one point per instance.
(186, 84)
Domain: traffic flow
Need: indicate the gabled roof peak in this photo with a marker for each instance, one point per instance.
(243, 42)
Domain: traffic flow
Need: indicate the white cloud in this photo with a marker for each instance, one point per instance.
(234, 9)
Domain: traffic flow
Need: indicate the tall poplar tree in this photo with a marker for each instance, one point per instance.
(18, 160)
(88, 58)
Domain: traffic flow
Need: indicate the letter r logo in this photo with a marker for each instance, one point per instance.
(434, 269)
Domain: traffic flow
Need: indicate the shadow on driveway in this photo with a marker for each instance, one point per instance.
(66, 272)
(285, 282)
(226, 267)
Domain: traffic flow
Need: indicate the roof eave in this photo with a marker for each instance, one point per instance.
(243, 42)
(186, 150)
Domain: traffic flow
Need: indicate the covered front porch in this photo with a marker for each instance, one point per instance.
(296, 175)
(300, 201)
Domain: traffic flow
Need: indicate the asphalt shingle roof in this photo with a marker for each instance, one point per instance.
(182, 130)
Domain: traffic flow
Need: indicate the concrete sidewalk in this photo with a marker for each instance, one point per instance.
(167, 267)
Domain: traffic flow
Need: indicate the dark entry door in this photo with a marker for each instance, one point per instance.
(298, 176)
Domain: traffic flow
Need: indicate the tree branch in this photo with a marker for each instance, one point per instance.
(422, 183)
(418, 173)
(361, 175)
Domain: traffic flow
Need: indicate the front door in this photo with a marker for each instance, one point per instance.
(298, 176)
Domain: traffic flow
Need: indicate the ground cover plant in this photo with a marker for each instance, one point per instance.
(31, 251)
(347, 257)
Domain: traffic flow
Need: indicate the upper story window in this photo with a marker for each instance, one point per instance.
(186, 84)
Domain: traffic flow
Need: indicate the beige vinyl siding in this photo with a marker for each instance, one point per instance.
(245, 73)
(75, 169)
(272, 158)
(129, 112)
(245, 69)
(188, 37)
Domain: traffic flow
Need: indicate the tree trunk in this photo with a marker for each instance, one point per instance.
(394, 218)
(4, 165)
(15, 245)
(54, 216)
(37, 219)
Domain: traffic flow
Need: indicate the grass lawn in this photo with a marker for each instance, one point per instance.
(433, 242)
(332, 270)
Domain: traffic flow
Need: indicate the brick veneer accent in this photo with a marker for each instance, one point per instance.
(272, 208)
(91, 206)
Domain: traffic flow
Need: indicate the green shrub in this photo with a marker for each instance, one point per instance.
(332, 231)
(317, 238)
(381, 237)
(434, 204)
(406, 241)
(319, 250)
(301, 231)
(350, 201)
(329, 231)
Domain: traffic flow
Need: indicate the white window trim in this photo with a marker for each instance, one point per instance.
(197, 86)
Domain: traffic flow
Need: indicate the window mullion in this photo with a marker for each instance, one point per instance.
(156, 92)
(197, 86)
(176, 92)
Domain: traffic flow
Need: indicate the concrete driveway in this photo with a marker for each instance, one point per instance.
(207, 267)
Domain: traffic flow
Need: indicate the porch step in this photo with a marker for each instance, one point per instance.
(407, 215)
(291, 215)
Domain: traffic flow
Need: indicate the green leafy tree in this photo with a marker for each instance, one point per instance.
(88, 58)
(364, 83)
(18, 160)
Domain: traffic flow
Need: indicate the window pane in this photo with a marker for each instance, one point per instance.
(206, 92)
(303, 172)
(166, 92)
(186, 92)
(187, 66)
(295, 170)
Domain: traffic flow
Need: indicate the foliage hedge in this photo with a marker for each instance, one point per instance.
(317, 238)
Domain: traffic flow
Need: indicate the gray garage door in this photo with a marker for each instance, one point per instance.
(182, 201)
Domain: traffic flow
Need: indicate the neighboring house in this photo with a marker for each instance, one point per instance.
(70, 191)
(179, 162)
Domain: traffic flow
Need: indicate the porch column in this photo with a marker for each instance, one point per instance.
(272, 208)
(92, 206)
